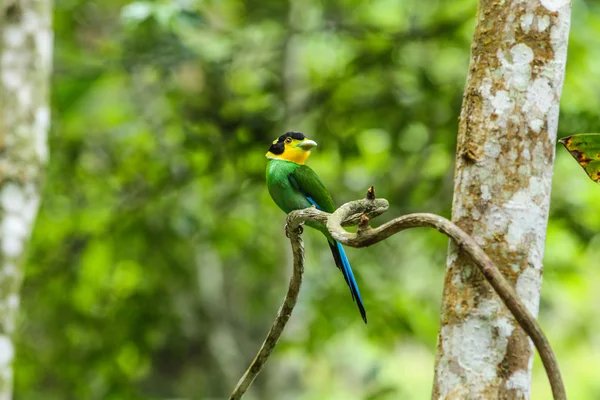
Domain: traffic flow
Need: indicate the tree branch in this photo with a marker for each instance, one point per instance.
(282, 316)
(293, 231)
(358, 213)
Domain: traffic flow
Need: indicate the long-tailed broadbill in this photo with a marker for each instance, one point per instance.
(295, 186)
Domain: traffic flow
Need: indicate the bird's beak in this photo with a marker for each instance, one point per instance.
(307, 144)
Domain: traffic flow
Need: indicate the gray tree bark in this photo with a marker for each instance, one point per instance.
(505, 157)
(25, 65)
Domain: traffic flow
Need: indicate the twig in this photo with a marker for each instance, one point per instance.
(358, 213)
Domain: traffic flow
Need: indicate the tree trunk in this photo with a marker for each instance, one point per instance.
(505, 156)
(25, 64)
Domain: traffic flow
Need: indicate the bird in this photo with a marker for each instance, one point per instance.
(295, 186)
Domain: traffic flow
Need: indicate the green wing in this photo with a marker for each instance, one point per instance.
(307, 181)
(585, 148)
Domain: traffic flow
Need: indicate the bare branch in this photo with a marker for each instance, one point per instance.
(293, 232)
(358, 213)
(493, 275)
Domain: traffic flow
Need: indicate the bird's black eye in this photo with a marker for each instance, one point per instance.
(288, 140)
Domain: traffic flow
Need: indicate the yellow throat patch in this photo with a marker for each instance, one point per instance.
(288, 148)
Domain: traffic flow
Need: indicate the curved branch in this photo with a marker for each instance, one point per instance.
(285, 311)
(293, 231)
(366, 236)
(358, 213)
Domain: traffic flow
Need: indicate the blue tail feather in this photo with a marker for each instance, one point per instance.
(342, 262)
(344, 265)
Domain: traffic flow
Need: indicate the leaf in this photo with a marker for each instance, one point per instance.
(585, 148)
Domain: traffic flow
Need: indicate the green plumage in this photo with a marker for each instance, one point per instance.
(289, 184)
(294, 187)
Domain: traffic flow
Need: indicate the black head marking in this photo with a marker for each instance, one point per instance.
(293, 135)
(279, 146)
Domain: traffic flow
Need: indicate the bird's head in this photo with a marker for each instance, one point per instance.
(291, 146)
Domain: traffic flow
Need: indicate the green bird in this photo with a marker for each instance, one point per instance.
(294, 186)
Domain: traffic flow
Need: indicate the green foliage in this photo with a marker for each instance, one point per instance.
(585, 148)
(159, 260)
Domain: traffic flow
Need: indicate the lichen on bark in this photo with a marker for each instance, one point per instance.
(25, 64)
(505, 155)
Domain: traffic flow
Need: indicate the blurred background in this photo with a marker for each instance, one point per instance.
(159, 261)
